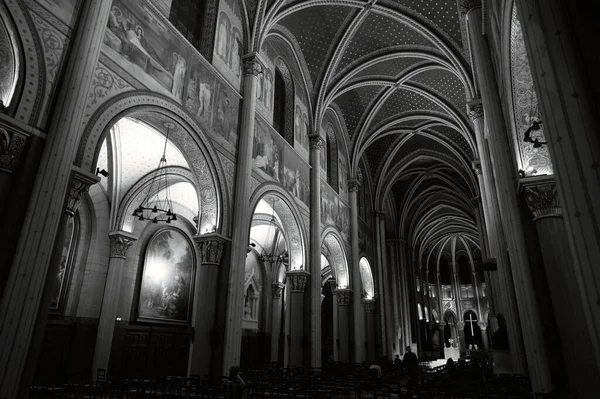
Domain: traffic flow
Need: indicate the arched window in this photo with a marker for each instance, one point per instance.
(166, 289)
(426, 314)
(61, 282)
(279, 103)
(9, 63)
(366, 278)
(331, 162)
(188, 17)
(420, 311)
(283, 102)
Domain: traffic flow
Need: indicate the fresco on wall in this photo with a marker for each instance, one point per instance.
(301, 143)
(139, 42)
(265, 84)
(65, 10)
(342, 173)
(334, 212)
(228, 41)
(165, 291)
(212, 102)
(277, 161)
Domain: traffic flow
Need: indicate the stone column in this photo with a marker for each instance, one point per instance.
(241, 217)
(504, 299)
(316, 145)
(344, 297)
(210, 250)
(386, 290)
(80, 184)
(484, 338)
(393, 264)
(24, 288)
(441, 328)
(571, 126)
(336, 349)
(381, 291)
(542, 199)
(359, 322)
(277, 307)
(404, 294)
(371, 336)
(506, 184)
(299, 280)
(462, 344)
(120, 242)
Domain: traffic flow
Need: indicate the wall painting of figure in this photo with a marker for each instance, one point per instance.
(167, 279)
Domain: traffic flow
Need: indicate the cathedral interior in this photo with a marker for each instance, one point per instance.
(190, 186)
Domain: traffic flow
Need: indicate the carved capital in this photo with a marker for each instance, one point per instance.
(441, 325)
(353, 185)
(379, 214)
(252, 66)
(80, 184)
(468, 5)
(482, 325)
(369, 305)
(476, 164)
(120, 242)
(316, 142)
(460, 325)
(276, 290)
(475, 110)
(210, 247)
(298, 280)
(542, 200)
(343, 296)
(11, 148)
(476, 202)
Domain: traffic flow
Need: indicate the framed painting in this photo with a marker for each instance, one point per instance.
(166, 288)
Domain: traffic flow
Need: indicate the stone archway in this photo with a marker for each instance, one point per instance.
(332, 241)
(187, 136)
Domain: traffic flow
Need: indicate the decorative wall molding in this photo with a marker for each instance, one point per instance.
(11, 148)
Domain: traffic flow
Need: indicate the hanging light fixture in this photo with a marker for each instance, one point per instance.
(272, 257)
(161, 210)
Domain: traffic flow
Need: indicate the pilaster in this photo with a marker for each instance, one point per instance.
(344, 298)
(357, 313)
(316, 146)
(299, 281)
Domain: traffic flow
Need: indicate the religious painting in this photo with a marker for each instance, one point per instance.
(212, 103)
(142, 44)
(167, 279)
(228, 41)
(65, 10)
(267, 151)
(60, 282)
(301, 143)
(342, 173)
(296, 176)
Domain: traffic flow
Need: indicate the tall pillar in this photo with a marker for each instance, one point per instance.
(386, 288)
(392, 245)
(241, 217)
(462, 344)
(442, 331)
(371, 336)
(277, 308)
(120, 242)
(316, 145)
(484, 338)
(381, 291)
(299, 279)
(506, 185)
(542, 199)
(404, 294)
(344, 297)
(210, 250)
(359, 322)
(80, 184)
(333, 285)
(504, 298)
(571, 124)
(23, 293)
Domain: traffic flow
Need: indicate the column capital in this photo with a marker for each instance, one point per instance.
(468, 5)
(276, 290)
(482, 325)
(210, 247)
(80, 184)
(476, 202)
(252, 64)
(541, 198)
(353, 185)
(460, 325)
(369, 305)
(475, 109)
(379, 214)
(120, 241)
(11, 148)
(316, 142)
(298, 279)
(476, 165)
(344, 296)
(441, 325)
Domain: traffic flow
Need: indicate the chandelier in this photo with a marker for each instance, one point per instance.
(161, 209)
(271, 257)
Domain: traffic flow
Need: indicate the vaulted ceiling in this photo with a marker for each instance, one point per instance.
(397, 73)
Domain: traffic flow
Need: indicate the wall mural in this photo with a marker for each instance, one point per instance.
(228, 42)
(526, 106)
(301, 124)
(342, 173)
(65, 10)
(265, 84)
(148, 47)
(276, 160)
(167, 280)
(334, 212)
